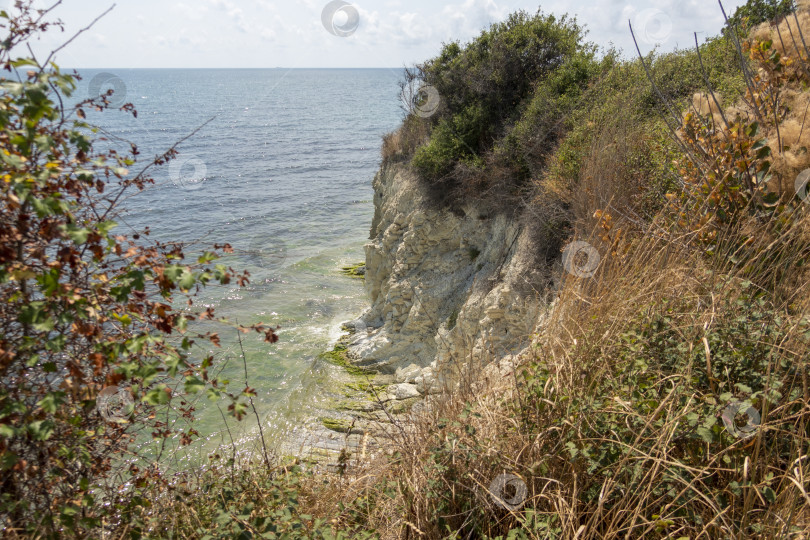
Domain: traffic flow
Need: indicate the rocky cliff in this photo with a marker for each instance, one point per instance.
(448, 289)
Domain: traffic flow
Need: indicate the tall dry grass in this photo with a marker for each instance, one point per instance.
(403, 142)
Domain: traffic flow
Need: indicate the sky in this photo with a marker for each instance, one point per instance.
(320, 33)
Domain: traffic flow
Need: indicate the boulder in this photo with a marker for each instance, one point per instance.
(408, 374)
(402, 391)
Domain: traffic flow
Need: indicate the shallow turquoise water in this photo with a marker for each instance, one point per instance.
(283, 173)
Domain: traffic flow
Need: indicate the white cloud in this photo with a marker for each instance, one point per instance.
(469, 18)
(188, 12)
(99, 39)
(270, 33)
(412, 29)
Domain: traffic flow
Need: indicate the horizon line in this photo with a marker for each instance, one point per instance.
(279, 67)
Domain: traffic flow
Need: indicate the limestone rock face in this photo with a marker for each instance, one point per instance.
(448, 290)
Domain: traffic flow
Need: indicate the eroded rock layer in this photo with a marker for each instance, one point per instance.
(447, 289)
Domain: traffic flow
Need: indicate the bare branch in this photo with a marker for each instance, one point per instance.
(708, 84)
(77, 34)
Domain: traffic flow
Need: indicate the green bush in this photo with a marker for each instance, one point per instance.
(454, 140)
(656, 393)
(225, 503)
(544, 119)
(95, 336)
(530, 88)
(484, 85)
(754, 12)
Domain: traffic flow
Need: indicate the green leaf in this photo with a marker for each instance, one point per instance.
(193, 385)
(70, 510)
(706, 434)
(49, 281)
(8, 460)
(156, 396)
(173, 363)
(207, 257)
(50, 403)
(763, 152)
(105, 227)
(173, 272)
(41, 207)
(124, 319)
(187, 280)
(77, 234)
(743, 388)
(34, 314)
(41, 430)
(84, 174)
(13, 161)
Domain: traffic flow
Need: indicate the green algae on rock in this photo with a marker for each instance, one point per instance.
(356, 271)
(338, 357)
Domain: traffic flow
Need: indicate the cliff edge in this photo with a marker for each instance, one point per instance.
(448, 290)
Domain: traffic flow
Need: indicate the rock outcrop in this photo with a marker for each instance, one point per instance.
(447, 289)
(452, 294)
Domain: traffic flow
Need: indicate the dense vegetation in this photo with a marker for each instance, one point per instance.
(666, 397)
(487, 85)
(517, 109)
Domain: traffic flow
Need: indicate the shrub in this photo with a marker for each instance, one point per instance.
(503, 125)
(242, 500)
(617, 146)
(544, 119)
(88, 313)
(452, 141)
(486, 84)
(754, 12)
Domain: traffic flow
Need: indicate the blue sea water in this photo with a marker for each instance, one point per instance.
(282, 171)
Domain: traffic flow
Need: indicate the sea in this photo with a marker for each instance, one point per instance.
(278, 163)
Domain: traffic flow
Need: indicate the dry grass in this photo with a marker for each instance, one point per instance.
(392, 146)
(584, 344)
(787, 128)
(402, 143)
(578, 389)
